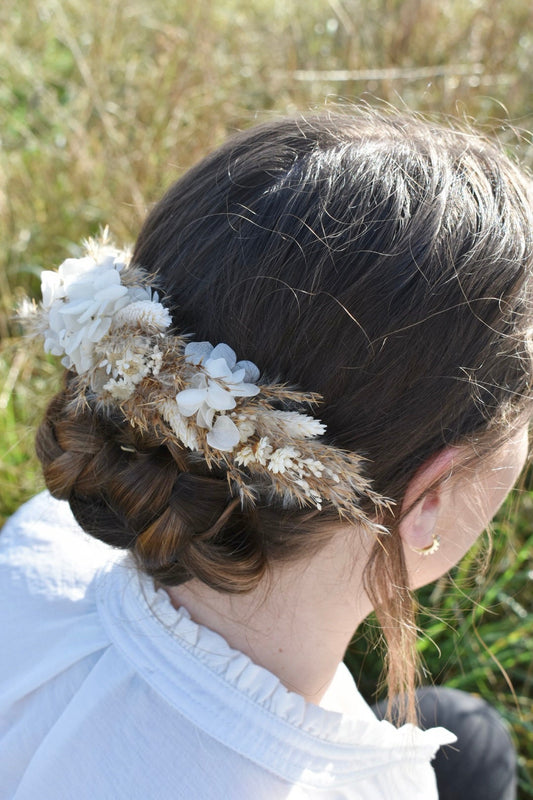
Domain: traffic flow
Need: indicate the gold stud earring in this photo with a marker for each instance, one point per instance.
(430, 549)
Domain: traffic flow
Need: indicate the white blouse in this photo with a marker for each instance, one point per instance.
(107, 692)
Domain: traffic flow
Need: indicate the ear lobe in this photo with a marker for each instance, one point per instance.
(418, 526)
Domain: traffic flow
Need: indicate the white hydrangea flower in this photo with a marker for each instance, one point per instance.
(201, 352)
(214, 389)
(81, 300)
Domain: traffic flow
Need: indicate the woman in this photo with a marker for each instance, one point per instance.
(375, 267)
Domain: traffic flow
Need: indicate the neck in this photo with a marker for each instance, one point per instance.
(299, 620)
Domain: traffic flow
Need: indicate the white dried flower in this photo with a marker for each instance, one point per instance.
(201, 352)
(81, 300)
(26, 310)
(185, 432)
(156, 360)
(130, 369)
(102, 247)
(333, 475)
(263, 451)
(283, 459)
(311, 465)
(245, 456)
(258, 453)
(299, 426)
(126, 375)
(148, 315)
(309, 492)
(119, 389)
(245, 425)
(213, 388)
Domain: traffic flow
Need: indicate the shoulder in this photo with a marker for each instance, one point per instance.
(45, 551)
(48, 567)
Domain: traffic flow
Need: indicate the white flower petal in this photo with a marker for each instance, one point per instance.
(251, 371)
(76, 307)
(89, 314)
(263, 450)
(198, 352)
(204, 418)
(108, 277)
(115, 306)
(97, 329)
(190, 400)
(108, 261)
(72, 267)
(224, 351)
(141, 294)
(110, 293)
(56, 321)
(218, 398)
(72, 341)
(218, 368)
(84, 359)
(83, 287)
(198, 381)
(236, 376)
(51, 288)
(51, 346)
(245, 390)
(245, 456)
(224, 434)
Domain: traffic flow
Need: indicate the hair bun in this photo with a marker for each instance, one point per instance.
(132, 492)
(203, 533)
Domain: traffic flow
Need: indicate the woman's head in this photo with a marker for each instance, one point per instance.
(377, 260)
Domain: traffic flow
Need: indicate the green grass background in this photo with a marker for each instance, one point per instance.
(103, 105)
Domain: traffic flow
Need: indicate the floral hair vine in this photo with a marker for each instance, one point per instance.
(100, 314)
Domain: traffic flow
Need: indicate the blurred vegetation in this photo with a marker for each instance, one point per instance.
(103, 105)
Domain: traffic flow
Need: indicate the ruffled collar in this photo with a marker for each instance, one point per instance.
(243, 705)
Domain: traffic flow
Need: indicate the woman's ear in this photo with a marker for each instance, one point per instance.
(423, 498)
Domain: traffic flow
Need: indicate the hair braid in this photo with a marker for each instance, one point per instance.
(131, 491)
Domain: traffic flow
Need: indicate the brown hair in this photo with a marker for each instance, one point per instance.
(378, 260)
